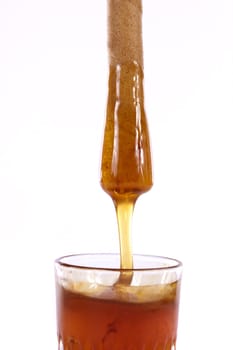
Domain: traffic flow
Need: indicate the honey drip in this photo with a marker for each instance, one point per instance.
(126, 158)
(126, 170)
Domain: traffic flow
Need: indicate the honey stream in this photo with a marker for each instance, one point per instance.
(126, 170)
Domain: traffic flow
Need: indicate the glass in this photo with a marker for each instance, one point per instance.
(100, 306)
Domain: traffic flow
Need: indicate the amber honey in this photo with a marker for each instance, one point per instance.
(89, 323)
(126, 157)
(126, 170)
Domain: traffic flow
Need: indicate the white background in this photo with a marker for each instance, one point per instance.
(53, 86)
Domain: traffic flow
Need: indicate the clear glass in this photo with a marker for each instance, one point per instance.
(100, 306)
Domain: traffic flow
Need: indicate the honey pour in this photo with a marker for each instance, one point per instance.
(126, 170)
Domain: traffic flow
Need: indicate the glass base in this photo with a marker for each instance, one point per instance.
(77, 345)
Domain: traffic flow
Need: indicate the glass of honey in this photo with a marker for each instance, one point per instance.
(102, 306)
(121, 301)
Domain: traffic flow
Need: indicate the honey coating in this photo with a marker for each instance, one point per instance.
(126, 158)
(126, 170)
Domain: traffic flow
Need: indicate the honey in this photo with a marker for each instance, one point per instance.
(126, 169)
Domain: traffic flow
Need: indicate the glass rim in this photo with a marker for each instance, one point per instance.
(174, 263)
